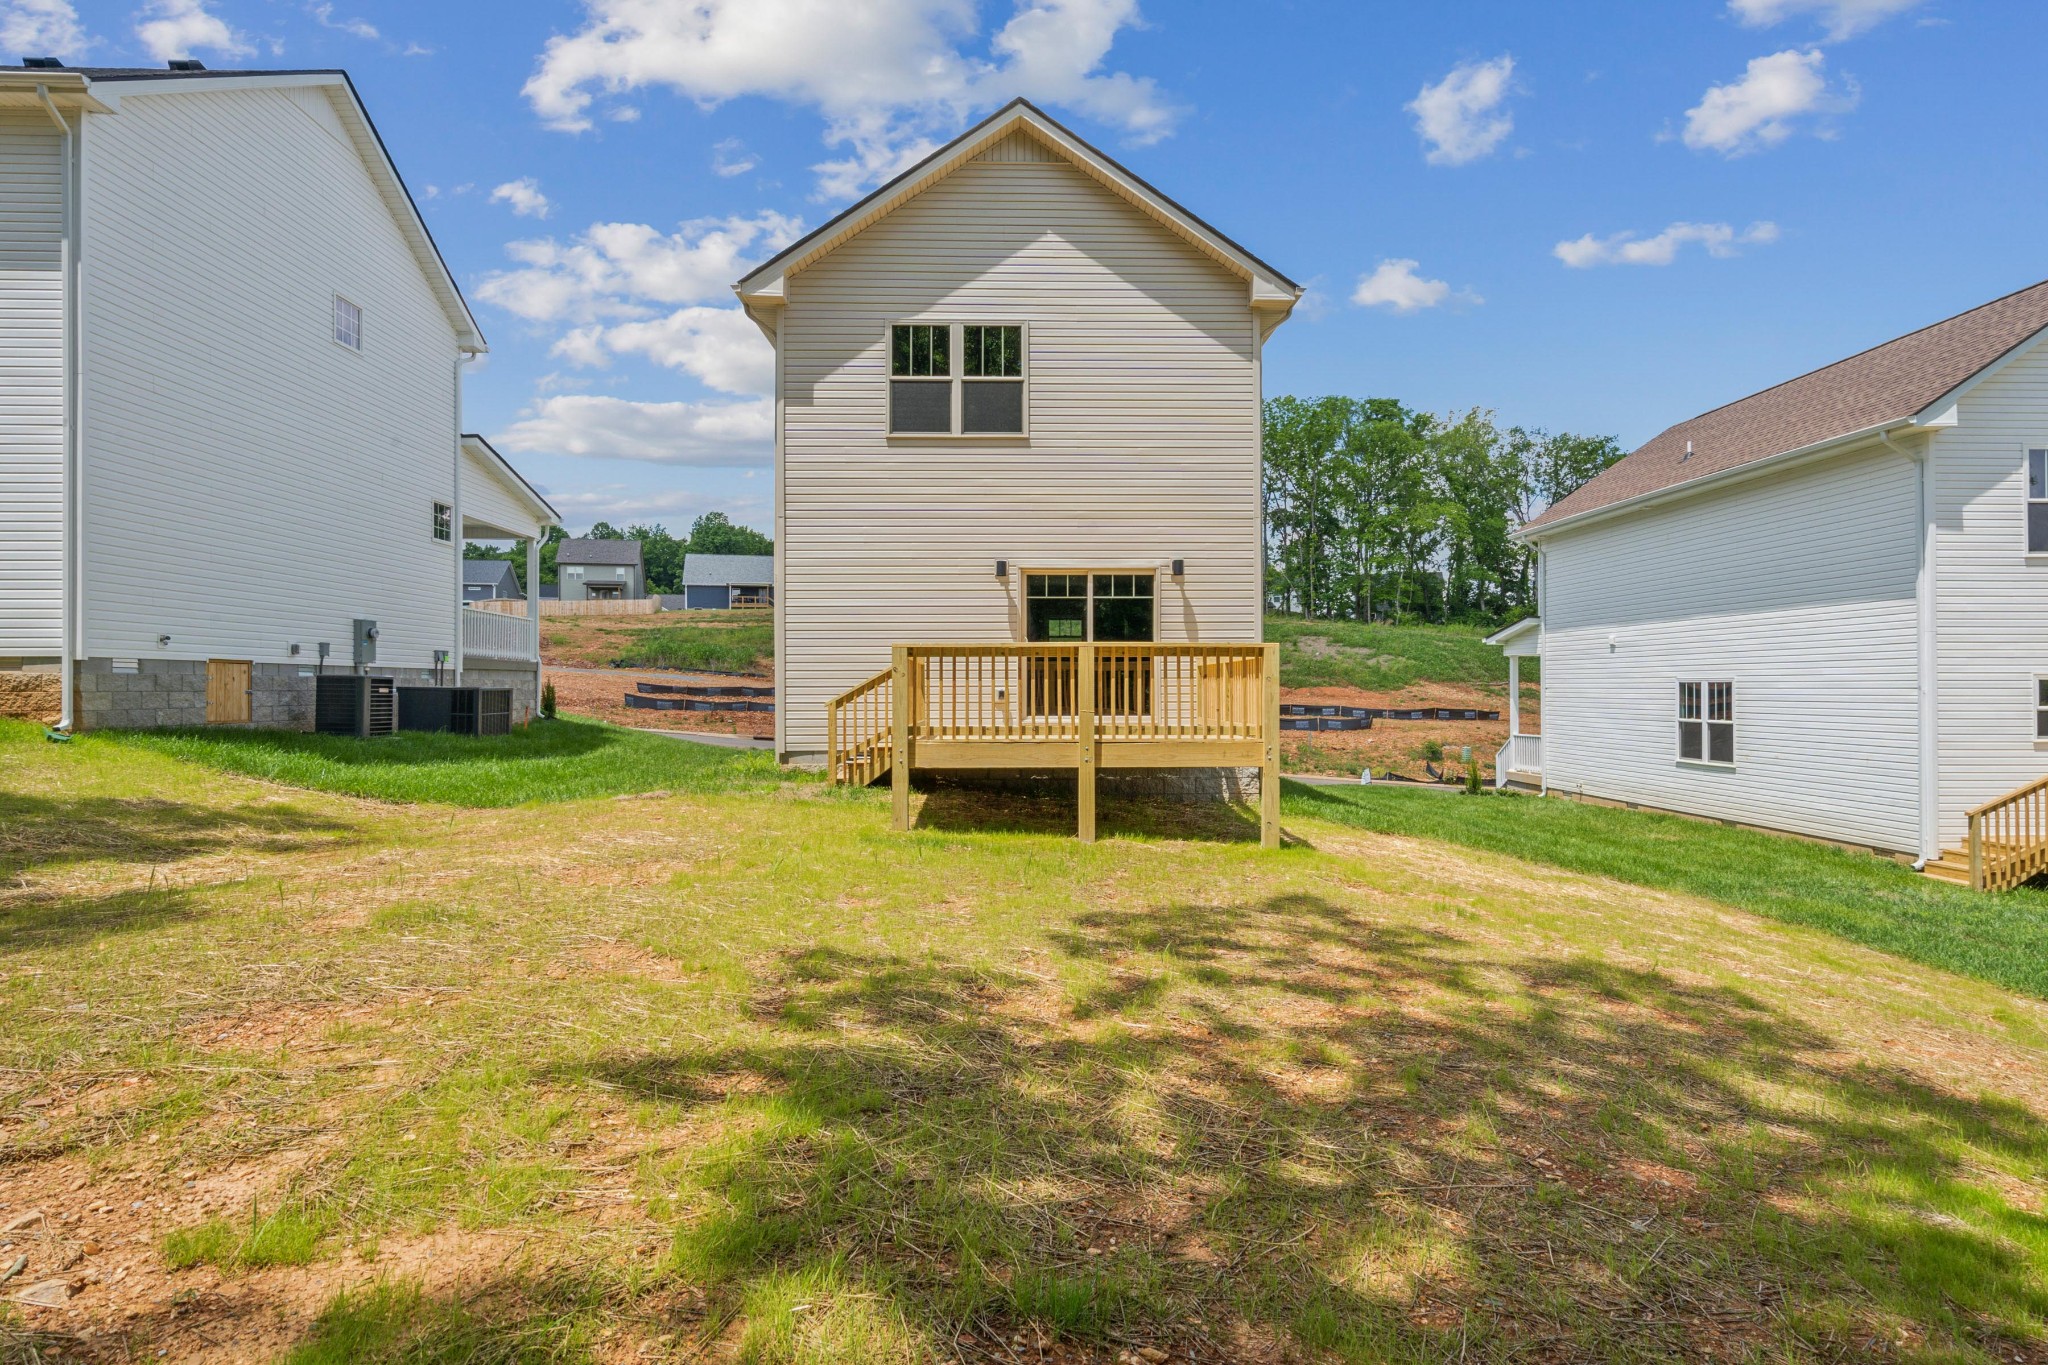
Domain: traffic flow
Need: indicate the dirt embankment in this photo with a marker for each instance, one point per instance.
(1398, 746)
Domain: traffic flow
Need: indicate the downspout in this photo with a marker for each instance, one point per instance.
(1925, 648)
(1542, 673)
(455, 541)
(71, 629)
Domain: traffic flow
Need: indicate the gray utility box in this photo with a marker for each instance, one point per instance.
(365, 634)
(355, 704)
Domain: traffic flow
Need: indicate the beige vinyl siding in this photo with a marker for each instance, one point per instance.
(1801, 589)
(1992, 611)
(1143, 419)
(249, 483)
(31, 387)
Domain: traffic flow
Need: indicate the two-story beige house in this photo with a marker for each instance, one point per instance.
(1017, 401)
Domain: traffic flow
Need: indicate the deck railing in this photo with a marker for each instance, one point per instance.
(1084, 707)
(496, 635)
(2009, 838)
(1521, 754)
(859, 730)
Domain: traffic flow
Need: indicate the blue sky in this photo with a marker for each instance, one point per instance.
(1600, 217)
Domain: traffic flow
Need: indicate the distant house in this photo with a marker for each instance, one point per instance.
(487, 579)
(600, 570)
(230, 368)
(1822, 609)
(720, 581)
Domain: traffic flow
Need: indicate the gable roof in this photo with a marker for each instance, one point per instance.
(1890, 385)
(496, 573)
(584, 550)
(718, 571)
(1269, 288)
(114, 81)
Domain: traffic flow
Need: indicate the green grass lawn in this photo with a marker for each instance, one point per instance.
(741, 1073)
(1864, 899)
(742, 645)
(559, 760)
(1386, 658)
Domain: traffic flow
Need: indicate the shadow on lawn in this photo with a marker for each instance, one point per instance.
(1275, 1123)
(39, 831)
(964, 808)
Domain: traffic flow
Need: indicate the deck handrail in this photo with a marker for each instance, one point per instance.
(859, 729)
(1148, 692)
(2009, 838)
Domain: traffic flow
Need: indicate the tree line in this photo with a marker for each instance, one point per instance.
(1378, 511)
(714, 533)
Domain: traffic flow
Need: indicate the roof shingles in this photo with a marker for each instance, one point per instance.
(1885, 384)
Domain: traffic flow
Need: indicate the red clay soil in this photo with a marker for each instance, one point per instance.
(1395, 747)
(603, 695)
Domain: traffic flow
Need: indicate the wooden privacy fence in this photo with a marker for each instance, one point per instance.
(513, 606)
(1084, 707)
(2009, 839)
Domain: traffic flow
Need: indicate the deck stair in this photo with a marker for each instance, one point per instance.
(860, 728)
(2007, 846)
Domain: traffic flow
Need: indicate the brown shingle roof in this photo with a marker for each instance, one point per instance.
(1887, 383)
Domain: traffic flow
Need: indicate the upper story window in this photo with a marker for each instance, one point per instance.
(2037, 502)
(444, 521)
(980, 395)
(348, 323)
(1706, 722)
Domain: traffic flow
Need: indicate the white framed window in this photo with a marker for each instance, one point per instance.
(1706, 722)
(959, 379)
(444, 521)
(2041, 708)
(2037, 501)
(348, 324)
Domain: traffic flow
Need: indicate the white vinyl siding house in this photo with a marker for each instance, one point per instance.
(1851, 551)
(1137, 444)
(1800, 590)
(31, 385)
(246, 477)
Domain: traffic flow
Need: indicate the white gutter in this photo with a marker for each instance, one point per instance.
(456, 540)
(71, 631)
(1731, 475)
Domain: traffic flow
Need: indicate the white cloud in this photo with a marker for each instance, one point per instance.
(731, 157)
(171, 29)
(1625, 248)
(1460, 117)
(1757, 110)
(1840, 18)
(359, 28)
(615, 270)
(627, 504)
(1396, 286)
(888, 76)
(718, 347)
(41, 28)
(524, 196)
(704, 435)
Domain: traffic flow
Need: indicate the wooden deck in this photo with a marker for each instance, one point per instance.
(1043, 706)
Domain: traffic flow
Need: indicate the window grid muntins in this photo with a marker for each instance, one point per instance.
(1107, 608)
(1706, 722)
(444, 521)
(348, 324)
(983, 395)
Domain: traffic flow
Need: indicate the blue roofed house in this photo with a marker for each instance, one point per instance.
(722, 581)
(486, 580)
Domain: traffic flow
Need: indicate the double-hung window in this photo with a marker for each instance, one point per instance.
(348, 324)
(444, 521)
(957, 379)
(1706, 722)
(2041, 708)
(2037, 502)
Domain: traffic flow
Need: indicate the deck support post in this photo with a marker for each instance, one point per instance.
(1084, 758)
(1976, 852)
(1269, 772)
(899, 754)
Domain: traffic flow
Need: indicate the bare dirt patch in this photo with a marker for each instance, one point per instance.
(603, 696)
(1395, 747)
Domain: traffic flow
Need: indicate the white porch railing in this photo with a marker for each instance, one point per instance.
(495, 635)
(1521, 754)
